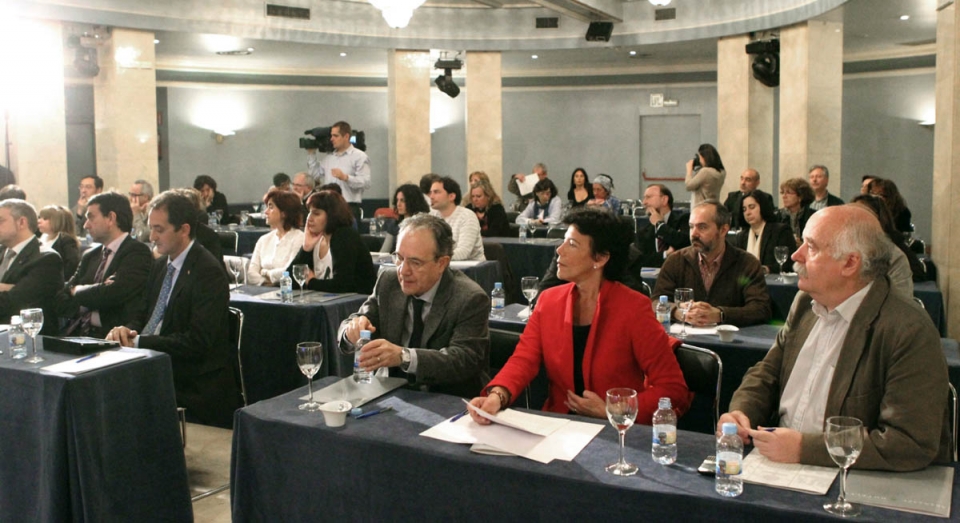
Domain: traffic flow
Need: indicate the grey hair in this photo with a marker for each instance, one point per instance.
(441, 231)
(146, 187)
(21, 209)
(542, 166)
(310, 180)
(826, 172)
(867, 239)
(721, 215)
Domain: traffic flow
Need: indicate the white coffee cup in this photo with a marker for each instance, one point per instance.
(727, 332)
(335, 412)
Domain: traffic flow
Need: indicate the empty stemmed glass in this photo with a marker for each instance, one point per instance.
(528, 285)
(380, 222)
(683, 297)
(309, 358)
(300, 274)
(532, 226)
(32, 323)
(236, 267)
(244, 218)
(622, 409)
(843, 436)
(781, 253)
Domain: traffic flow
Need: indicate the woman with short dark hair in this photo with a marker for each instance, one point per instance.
(763, 233)
(887, 191)
(277, 248)
(705, 175)
(545, 207)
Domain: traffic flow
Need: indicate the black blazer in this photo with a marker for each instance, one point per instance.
(353, 269)
(219, 203)
(676, 232)
(494, 222)
(195, 333)
(774, 234)
(69, 251)
(118, 303)
(804, 214)
(734, 204)
(36, 278)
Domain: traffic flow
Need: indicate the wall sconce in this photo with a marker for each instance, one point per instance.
(219, 136)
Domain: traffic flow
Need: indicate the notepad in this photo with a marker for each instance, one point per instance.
(86, 364)
(926, 491)
(810, 479)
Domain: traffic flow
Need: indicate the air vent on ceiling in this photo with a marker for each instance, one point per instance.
(669, 13)
(547, 22)
(285, 11)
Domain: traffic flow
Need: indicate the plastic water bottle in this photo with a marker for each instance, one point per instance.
(664, 449)
(286, 288)
(523, 233)
(663, 313)
(498, 300)
(729, 462)
(360, 375)
(18, 338)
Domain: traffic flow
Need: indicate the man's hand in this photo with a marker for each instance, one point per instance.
(654, 215)
(4, 287)
(380, 353)
(338, 174)
(781, 445)
(702, 313)
(122, 334)
(743, 424)
(520, 178)
(360, 323)
(590, 404)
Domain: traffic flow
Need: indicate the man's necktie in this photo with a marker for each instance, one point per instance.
(161, 304)
(8, 255)
(661, 244)
(417, 333)
(82, 324)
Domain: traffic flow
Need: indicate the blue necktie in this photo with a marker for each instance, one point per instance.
(158, 309)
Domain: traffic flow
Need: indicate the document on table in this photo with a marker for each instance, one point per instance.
(791, 476)
(528, 183)
(308, 296)
(94, 362)
(465, 264)
(676, 327)
(926, 491)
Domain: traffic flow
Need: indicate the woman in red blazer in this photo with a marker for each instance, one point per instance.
(592, 334)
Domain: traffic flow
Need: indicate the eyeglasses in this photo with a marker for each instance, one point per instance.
(415, 263)
(134, 195)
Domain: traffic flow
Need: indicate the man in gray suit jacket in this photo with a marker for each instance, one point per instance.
(428, 322)
(849, 348)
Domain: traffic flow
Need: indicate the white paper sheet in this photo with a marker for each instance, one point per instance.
(463, 264)
(529, 182)
(103, 359)
(809, 479)
(675, 329)
(532, 423)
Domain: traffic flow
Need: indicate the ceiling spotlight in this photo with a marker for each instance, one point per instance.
(660, 3)
(534, 56)
(633, 53)
(446, 84)
(155, 41)
(904, 17)
(343, 54)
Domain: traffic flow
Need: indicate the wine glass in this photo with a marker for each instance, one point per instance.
(528, 284)
(300, 274)
(236, 267)
(782, 254)
(532, 225)
(219, 215)
(32, 323)
(309, 358)
(622, 411)
(683, 297)
(380, 221)
(244, 218)
(843, 436)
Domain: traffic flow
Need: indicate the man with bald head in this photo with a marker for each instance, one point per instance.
(850, 347)
(749, 182)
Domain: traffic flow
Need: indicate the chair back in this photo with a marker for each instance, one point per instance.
(236, 335)
(371, 242)
(953, 422)
(919, 302)
(703, 372)
(556, 232)
(502, 345)
(493, 251)
(385, 212)
(229, 241)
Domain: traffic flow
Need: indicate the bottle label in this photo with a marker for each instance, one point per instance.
(728, 463)
(497, 303)
(664, 434)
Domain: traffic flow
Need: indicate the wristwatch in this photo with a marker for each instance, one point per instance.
(404, 359)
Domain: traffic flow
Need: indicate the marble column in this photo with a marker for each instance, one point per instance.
(125, 110)
(946, 161)
(744, 116)
(811, 94)
(33, 99)
(408, 101)
(485, 115)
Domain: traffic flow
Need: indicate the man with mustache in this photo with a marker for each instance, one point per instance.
(728, 283)
(850, 347)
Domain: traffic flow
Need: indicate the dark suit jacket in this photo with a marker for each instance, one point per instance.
(804, 214)
(119, 303)
(734, 203)
(494, 222)
(675, 232)
(833, 200)
(353, 269)
(774, 234)
(457, 323)
(36, 278)
(69, 251)
(211, 242)
(195, 333)
(891, 374)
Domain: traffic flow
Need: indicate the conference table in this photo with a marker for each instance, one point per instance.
(287, 465)
(100, 446)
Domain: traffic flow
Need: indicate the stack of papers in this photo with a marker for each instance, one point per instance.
(926, 491)
(95, 361)
(675, 328)
(539, 438)
(810, 479)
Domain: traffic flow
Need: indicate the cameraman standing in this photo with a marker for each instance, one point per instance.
(346, 166)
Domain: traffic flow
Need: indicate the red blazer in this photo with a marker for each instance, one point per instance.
(626, 347)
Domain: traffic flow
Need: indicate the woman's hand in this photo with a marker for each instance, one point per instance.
(489, 404)
(590, 404)
(689, 167)
(310, 239)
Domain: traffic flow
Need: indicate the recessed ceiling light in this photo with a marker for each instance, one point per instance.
(155, 41)
(633, 53)
(343, 54)
(904, 17)
(534, 56)
(249, 49)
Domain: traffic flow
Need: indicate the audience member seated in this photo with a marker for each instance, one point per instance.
(426, 183)
(282, 181)
(304, 185)
(545, 208)
(429, 322)
(581, 190)
(865, 183)
(668, 231)
(337, 258)
(141, 192)
(905, 267)
(749, 181)
(12, 191)
(212, 199)
(705, 175)
(849, 348)
(580, 333)
(796, 196)
(727, 282)
(89, 185)
(523, 200)
(107, 290)
(185, 315)
(408, 200)
(486, 204)
(819, 177)
(887, 191)
(29, 277)
(276, 249)
(603, 194)
(204, 234)
(58, 232)
(763, 233)
(445, 201)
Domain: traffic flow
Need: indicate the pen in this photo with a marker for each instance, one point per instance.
(90, 357)
(769, 429)
(458, 416)
(374, 412)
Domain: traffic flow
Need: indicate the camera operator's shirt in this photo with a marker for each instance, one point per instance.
(353, 162)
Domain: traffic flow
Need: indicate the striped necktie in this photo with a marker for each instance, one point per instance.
(158, 309)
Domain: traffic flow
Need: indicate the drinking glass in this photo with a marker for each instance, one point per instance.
(244, 219)
(843, 436)
(782, 254)
(32, 323)
(528, 284)
(309, 357)
(622, 411)
(219, 215)
(532, 225)
(380, 221)
(236, 267)
(300, 274)
(683, 297)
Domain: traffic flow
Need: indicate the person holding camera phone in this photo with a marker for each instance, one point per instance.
(705, 175)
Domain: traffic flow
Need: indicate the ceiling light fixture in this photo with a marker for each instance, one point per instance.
(660, 3)
(397, 13)
(633, 53)
(445, 81)
(904, 17)
(155, 41)
(533, 56)
(343, 54)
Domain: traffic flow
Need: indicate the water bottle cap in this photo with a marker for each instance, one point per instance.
(663, 299)
(286, 274)
(665, 403)
(365, 334)
(729, 429)
(498, 285)
(356, 411)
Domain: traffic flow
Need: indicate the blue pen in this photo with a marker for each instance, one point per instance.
(90, 357)
(458, 416)
(374, 412)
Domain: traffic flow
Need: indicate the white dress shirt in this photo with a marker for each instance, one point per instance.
(272, 255)
(353, 162)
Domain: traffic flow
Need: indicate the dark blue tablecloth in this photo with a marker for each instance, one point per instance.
(247, 239)
(102, 446)
(288, 466)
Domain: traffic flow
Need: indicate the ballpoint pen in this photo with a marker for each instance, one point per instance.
(90, 357)
(458, 416)
(374, 412)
